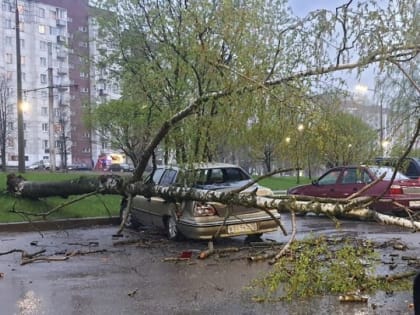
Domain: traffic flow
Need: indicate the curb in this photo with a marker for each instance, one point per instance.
(57, 224)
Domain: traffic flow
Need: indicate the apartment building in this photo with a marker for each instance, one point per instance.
(57, 43)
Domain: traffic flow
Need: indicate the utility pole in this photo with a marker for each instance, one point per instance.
(21, 139)
(51, 110)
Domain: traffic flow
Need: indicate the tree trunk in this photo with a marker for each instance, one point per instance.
(82, 185)
(113, 184)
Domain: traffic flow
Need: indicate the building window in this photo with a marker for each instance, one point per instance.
(44, 111)
(22, 60)
(41, 29)
(53, 15)
(8, 23)
(9, 75)
(83, 44)
(83, 29)
(7, 6)
(44, 127)
(41, 12)
(43, 45)
(43, 78)
(43, 61)
(53, 31)
(23, 76)
(45, 144)
(10, 142)
(9, 58)
(8, 41)
(61, 14)
(22, 43)
(10, 109)
(84, 90)
(10, 125)
(85, 150)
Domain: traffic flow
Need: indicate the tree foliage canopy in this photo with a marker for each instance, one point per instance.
(226, 64)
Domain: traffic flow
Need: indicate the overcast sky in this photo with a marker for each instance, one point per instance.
(303, 7)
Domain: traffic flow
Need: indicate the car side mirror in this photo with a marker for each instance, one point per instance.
(315, 182)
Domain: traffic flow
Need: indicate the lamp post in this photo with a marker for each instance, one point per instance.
(21, 139)
(300, 129)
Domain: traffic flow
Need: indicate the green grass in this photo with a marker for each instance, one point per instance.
(94, 206)
(284, 182)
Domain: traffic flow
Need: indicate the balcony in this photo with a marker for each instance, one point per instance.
(61, 55)
(61, 39)
(61, 22)
(62, 71)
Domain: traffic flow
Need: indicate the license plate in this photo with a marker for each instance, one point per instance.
(242, 228)
(415, 203)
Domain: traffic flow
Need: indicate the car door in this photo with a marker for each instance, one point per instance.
(352, 179)
(142, 206)
(157, 206)
(327, 185)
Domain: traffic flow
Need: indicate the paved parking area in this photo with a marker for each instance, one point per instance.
(136, 278)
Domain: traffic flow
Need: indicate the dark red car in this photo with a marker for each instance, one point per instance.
(341, 182)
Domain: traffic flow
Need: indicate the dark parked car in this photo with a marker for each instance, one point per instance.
(79, 167)
(341, 182)
(410, 166)
(201, 220)
(41, 166)
(120, 167)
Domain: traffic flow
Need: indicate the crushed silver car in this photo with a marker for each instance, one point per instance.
(201, 220)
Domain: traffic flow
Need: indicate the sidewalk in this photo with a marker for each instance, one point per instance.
(56, 224)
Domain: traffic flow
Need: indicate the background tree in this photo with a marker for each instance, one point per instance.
(123, 124)
(5, 118)
(215, 62)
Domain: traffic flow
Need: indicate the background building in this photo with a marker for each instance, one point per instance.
(57, 75)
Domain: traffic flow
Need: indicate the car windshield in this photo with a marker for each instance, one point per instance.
(389, 171)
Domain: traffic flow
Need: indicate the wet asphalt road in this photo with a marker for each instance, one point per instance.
(135, 279)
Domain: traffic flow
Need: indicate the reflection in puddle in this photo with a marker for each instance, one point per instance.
(29, 304)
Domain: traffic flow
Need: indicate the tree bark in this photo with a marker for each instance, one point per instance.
(113, 184)
(18, 186)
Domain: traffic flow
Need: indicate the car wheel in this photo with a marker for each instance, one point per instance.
(253, 238)
(172, 231)
(131, 222)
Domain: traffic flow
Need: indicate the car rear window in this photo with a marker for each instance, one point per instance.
(168, 178)
(211, 176)
(235, 175)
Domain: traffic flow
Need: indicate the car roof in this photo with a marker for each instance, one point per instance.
(200, 165)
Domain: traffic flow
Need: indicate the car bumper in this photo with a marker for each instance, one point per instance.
(232, 227)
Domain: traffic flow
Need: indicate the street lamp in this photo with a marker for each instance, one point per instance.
(300, 129)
